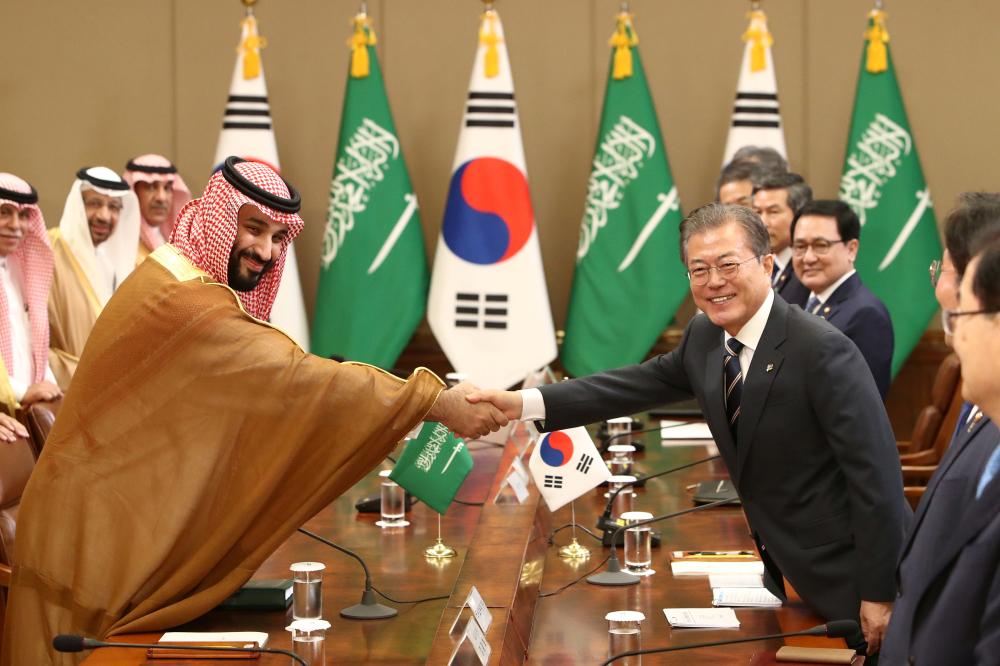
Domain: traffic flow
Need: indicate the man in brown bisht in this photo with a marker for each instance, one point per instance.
(161, 192)
(94, 250)
(196, 437)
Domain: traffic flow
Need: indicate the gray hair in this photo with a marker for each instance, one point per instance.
(714, 215)
(799, 192)
(768, 158)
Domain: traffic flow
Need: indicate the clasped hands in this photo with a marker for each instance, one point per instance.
(471, 412)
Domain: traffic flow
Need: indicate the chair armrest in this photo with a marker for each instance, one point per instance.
(927, 457)
(5, 574)
(917, 475)
(903, 447)
(913, 494)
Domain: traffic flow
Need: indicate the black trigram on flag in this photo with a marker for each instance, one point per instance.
(754, 109)
(247, 112)
(490, 109)
(474, 310)
(552, 481)
(584, 464)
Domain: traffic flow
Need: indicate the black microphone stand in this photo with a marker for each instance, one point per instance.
(369, 608)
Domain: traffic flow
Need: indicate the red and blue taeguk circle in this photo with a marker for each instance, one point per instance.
(488, 216)
(556, 449)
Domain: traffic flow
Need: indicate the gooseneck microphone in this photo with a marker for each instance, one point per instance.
(832, 629)
(369, 608)
(614, 575)
(604, 522)
(73, 643)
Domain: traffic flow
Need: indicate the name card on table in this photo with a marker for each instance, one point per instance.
(480, 611)
(481, 649)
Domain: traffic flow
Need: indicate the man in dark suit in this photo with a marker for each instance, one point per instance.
(948, 512)
(825, 239)
(777, 198)
(805, 437)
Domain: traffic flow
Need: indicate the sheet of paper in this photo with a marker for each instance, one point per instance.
(258, 637)
(735, 580)
(691, 618)
(682, 430)
(758, 597)
(706, 567)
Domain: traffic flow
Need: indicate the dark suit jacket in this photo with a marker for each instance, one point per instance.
(816, 466)
(862, 317)
(950, 493)
(789, 288)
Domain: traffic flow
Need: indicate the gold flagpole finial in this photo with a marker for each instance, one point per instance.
(488, 5)
(755, 5)
(878, 5)
(625, 8)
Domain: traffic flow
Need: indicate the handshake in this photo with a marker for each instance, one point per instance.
(471, 412)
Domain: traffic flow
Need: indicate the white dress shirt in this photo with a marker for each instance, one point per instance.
(781, 259)
(533, 404)
(23, 370)
(825, 295)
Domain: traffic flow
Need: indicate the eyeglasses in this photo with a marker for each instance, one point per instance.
(936, 270)
(820, 246)
(728, 270)
(949, 318)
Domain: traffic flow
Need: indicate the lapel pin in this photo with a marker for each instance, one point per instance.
(769, 368)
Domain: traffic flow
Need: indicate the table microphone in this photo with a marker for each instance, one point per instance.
(604, 521)
(832, 629)
(614, 575)
(73, 643)
(369, 608)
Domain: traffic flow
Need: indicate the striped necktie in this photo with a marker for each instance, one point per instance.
(775, 272)
(734, 383)
(812, 304)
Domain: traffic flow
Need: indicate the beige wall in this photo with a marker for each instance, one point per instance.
(100, 81)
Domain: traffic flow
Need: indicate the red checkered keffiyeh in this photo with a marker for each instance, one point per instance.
(205, 231)
(181, 193)
(34, 259)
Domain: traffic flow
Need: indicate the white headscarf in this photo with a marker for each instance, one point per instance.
(120, 250)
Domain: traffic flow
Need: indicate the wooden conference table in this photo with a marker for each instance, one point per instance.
(504, 550)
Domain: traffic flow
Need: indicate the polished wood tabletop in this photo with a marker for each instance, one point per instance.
(508, 552)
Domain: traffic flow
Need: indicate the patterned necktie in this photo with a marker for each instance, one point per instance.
(775, 272)
(734, 383)
(812, 304)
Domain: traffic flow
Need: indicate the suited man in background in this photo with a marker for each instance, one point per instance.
(805, 438)
(777, 198)
(951, 491)
(825, 241)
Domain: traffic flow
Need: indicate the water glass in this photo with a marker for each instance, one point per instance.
(307, 590)
(309, 640)
(625, 635)
(623, 500)
(622, 458)
(638, 544)
(393, 502)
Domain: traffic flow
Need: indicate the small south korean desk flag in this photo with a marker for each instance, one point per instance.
(247, 132)
(565, 464)
(756, 117)
(488, 304)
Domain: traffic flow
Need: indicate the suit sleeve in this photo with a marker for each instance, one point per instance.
(871, 330)
(627, 390)
(988, 647)
(846, 401)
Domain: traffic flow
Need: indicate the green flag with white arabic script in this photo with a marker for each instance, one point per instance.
(373, 274)
(433, 466)
(884, 184)
(629, 280)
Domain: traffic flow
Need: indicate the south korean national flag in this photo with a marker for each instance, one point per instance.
(565, 464)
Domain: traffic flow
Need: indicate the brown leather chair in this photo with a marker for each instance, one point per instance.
(39, 419)
(17, 460)
(935, 423)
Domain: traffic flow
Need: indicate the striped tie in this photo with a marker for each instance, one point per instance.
(734, 383)
(812, 305)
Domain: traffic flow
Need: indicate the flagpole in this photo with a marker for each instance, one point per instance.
(248, 6)
(575, 550)
(440, 550)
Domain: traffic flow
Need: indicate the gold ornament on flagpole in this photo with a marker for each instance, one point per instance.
(575, 550)
(440, 550)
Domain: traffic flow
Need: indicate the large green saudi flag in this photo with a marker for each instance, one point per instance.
(373, 273)
(885, 185)
(629, 279)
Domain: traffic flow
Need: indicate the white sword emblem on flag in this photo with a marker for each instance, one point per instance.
(397, 230)
(923, 201)
(668, 202)
(453, 454)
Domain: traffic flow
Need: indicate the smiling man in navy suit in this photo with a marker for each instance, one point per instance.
(825, 240)
(805, 437)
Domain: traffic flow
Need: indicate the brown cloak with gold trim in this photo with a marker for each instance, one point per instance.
(193, 442)
(73, 309)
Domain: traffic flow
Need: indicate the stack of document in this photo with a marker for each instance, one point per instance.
(680, 430)
(700, 618)
(258, 637)
(745, 591)
(704, 563)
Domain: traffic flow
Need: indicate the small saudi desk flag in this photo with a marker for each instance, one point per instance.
(629, 279)
(433, 466)
(884, 184)
(373, 270)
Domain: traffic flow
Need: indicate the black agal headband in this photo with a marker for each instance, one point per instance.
(83, 174)
(20, 197)
(259, 194)
(146, 168)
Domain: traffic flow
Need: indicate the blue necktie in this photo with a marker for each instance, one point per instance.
(812, 304)
(734, 383)
(989, 472)
(775, 272)
(963, 416)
